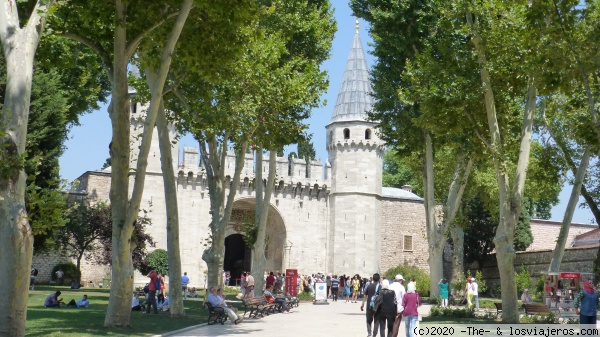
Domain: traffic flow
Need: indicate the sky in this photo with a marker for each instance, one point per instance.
(87, 146)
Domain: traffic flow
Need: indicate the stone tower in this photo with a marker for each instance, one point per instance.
(356, 156)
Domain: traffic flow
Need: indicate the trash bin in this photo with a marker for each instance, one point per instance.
(105, 283)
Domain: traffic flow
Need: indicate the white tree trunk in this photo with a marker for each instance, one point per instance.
(559, 250)
(458, 252)
(263, 201)
(19, 47)
(175, 294)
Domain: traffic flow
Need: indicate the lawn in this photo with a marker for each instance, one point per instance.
(42, 321)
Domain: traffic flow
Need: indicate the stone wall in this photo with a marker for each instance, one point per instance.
(44, 262)
(545, 233)
(536, 263)
(399, 218)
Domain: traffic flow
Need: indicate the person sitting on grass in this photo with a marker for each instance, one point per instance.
(279, 300)
(135, 303)
(160, 300)
(82, 303)
(53, 301)
(166, 303)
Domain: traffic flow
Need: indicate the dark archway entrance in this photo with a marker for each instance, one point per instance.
(237, 257)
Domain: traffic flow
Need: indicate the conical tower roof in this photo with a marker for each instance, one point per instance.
(354, 98)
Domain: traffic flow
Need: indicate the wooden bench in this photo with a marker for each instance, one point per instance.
(536, 309)
(498, 309)
(215, 314)
(257, 306)
(290, 300)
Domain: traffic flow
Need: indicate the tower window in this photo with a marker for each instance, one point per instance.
(330, 136)
(368, 134)
(346, 133)
(408, 243)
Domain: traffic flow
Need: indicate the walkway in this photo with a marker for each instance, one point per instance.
(336, 319)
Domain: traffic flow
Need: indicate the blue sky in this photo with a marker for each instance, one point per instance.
(87, 146)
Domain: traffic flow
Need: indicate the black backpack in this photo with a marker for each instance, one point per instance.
(35, 272)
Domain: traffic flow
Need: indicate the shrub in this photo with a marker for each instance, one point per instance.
(482, 286)
(437, 311)
(304, 296)
(70, 270)
(539, 319)
(157, 260)
(523, 280)
(539, 287)
(421, 277)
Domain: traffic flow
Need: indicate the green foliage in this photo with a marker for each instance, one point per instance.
(156, 260)
(523, 280)
(396, 172)
(70, 270)
(305, 296)
(481, 284)
(421, 277)
(437, 311)
(539, 286)
(458, 285)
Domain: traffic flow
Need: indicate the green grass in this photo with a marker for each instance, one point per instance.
(454, 320)
(67, 322)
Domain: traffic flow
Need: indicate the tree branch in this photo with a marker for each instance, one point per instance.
(95, 46)
(134, 44)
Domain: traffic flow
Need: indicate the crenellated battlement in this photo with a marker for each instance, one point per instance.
(294, 176)
(353, 145)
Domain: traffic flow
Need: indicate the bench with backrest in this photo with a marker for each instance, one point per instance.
(498, 309)
(257, 307)
(215, 314)
(536, 309)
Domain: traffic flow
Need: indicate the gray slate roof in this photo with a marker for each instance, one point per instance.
(354, 98)
(398, 193)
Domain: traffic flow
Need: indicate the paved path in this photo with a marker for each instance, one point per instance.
(336, 319)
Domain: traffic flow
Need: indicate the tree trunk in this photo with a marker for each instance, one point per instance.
(118, 312)
(458, 250)
(263, 201)
(559, 250)
(166, 162)
(214, 258)
(19, 46)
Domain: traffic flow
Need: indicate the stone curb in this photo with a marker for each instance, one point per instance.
(170, 333)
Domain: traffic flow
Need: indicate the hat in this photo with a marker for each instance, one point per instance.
(385, 284)
(526, 289)
(399, 277)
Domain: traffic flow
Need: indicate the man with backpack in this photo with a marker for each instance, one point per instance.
(32, 276)
(370, 293)
(153, 286)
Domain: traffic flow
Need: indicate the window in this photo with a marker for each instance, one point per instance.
(330, 136)
(368, 134)
(408, 243)
(346, 133)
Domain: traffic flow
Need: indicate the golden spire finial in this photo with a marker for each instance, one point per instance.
(356, 25)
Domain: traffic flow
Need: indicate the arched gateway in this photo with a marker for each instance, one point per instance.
(238, 256)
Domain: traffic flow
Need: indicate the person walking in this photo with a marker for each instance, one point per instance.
(475, 293)
(335, 287)
(387, 311)
(469, 291)
(355, 287)
(370, 293)
(185, 280)
(443, 284)
(398, 288)
(152, 288)
(411, 302)
(59, 276)
(587, 304)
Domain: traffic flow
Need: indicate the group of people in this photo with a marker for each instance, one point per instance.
(387, 304)
(54, 301)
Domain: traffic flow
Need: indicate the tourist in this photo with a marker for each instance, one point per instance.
(59, 276)
(268, 294)
(135, 303)
(526, 297)
(218, 301)
(166, 304)
(388, 309)
(411, 302)
(270, 281)
(243, 284)
(548, 289)
(443, 284)
(347, 286)
(185, 280)
(355, 287)
(152, 291)
(587, 304)
(160, 300)
(227, 277)
(335, 284)
(52, 301)
(328, 283)
(32, 276)
(469, 291)
(249, 286)
(371, 291)
(398, 288)
(82, 303)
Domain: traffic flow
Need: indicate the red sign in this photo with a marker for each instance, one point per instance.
(291, 281)
(570, 275)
